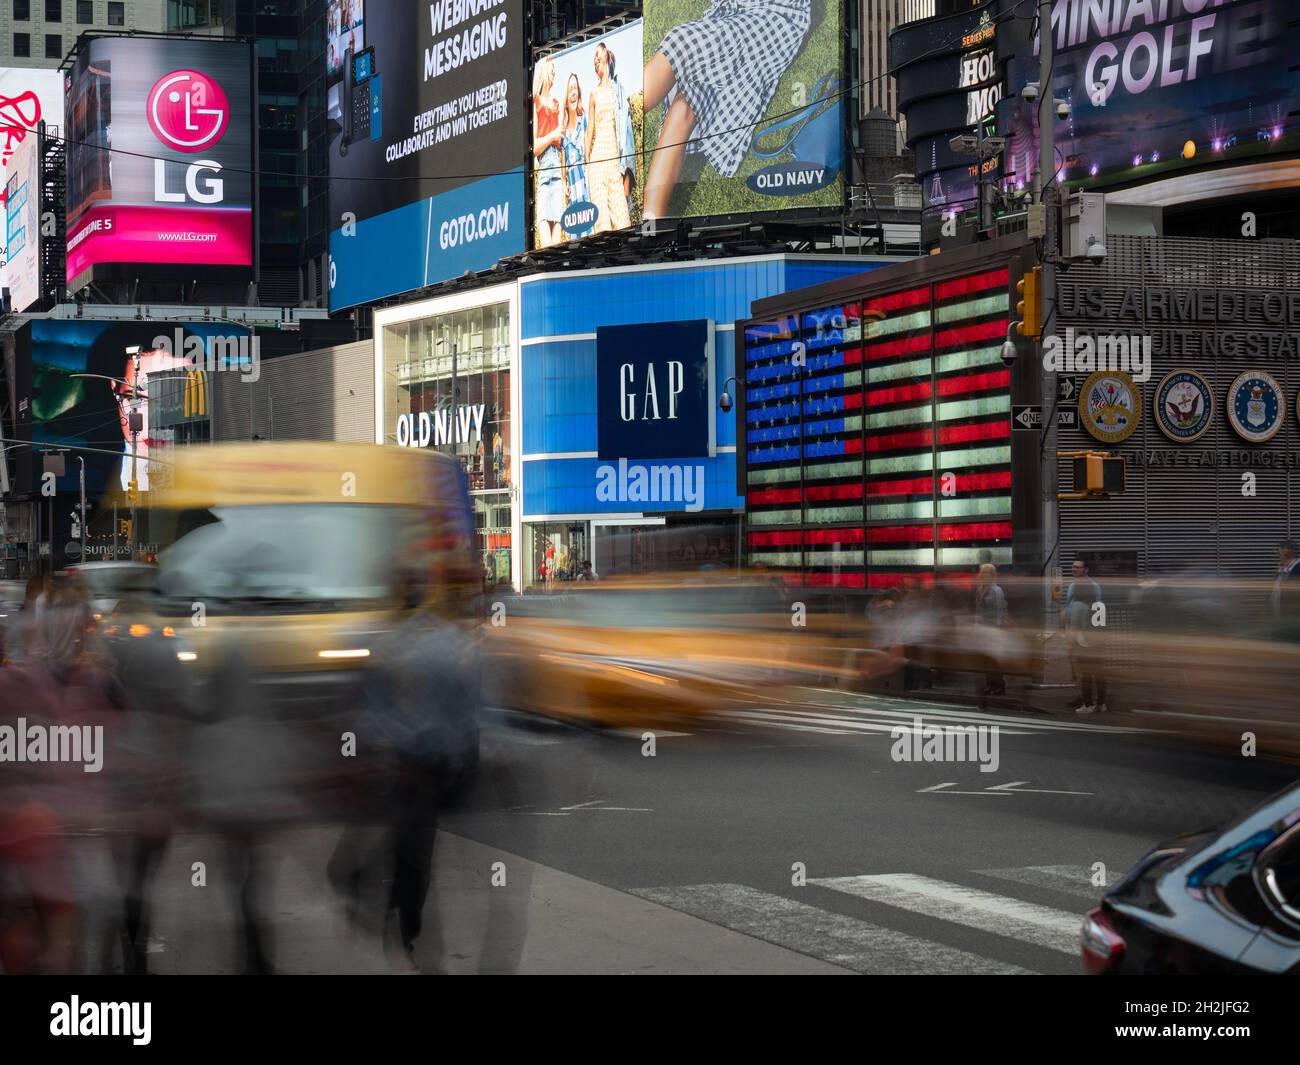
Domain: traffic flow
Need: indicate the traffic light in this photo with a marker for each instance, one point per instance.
(196, 394)
(1029, 310)
(133, 492)
(1097, 475)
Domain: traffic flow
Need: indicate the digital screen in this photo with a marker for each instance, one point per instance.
(744, 108)
(344, 29)
(427, 143)
(588, 117)
(882, 454)
(1166, 89)
(160, 157)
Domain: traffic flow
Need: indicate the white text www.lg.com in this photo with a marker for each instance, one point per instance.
(197, 238)
(1182, 1031)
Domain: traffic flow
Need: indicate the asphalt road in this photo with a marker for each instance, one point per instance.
(777, 840)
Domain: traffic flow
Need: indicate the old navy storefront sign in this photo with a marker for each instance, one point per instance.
(440, 428)
(654, 390)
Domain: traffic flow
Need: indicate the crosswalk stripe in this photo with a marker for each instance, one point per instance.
(777, 717)
(788, 722)
(885, 720)
(973, 716)
(1071, 879)
(832, 937)
(1025, 921)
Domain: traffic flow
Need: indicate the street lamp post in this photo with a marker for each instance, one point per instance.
(133, 426)
(1047, 197)
(133, 423)
(82, 460)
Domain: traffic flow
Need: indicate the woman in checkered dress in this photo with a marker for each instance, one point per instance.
(718, 75)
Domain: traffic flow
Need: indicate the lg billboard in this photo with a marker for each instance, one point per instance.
(428, 138)
(160, 160)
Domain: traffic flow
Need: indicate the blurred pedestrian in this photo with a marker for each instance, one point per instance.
(57, 806)
(23, 632)
(417, 734)
(1080, 614)
(248, 775)
(990, 617)
(1285, 597)
(587, 573)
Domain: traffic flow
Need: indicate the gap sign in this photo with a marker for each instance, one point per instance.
(655, 390)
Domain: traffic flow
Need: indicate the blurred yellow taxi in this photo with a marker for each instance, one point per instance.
(629, 652)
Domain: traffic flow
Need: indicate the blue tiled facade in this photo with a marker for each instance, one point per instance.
(559, 315)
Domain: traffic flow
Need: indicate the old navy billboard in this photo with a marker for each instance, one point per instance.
(428, 137)
(160, 159)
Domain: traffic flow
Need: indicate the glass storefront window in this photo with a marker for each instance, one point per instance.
(556, 552)
(447, 387)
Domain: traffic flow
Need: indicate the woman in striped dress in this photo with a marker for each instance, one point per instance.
(718, 75)
(604, 167)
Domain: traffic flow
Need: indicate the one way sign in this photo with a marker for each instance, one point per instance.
(1026, 419)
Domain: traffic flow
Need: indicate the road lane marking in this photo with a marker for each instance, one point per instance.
(1015, 788)
(1024, 921)
(952, 784)
(855, 944)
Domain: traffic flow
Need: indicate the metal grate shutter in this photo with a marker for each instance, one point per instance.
(1180, 516)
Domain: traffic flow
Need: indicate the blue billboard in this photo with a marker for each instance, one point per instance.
(579, 332)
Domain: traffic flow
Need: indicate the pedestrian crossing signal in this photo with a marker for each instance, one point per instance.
(1097, 475)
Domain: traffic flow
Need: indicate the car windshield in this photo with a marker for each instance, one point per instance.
(300, 553)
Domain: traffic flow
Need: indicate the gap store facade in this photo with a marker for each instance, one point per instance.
(584, 408)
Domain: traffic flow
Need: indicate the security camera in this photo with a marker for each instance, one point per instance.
(1030, 92)
(1009, 352)
(724, 401)
(1062, 109)
(1096, 250)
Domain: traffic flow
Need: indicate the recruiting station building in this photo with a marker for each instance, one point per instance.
(1200, 262)
(585, 408)
(892, 452)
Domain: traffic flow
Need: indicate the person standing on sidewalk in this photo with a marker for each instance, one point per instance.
(1081, 599)
(990, 616)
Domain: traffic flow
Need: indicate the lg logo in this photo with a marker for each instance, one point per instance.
(189, 112)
